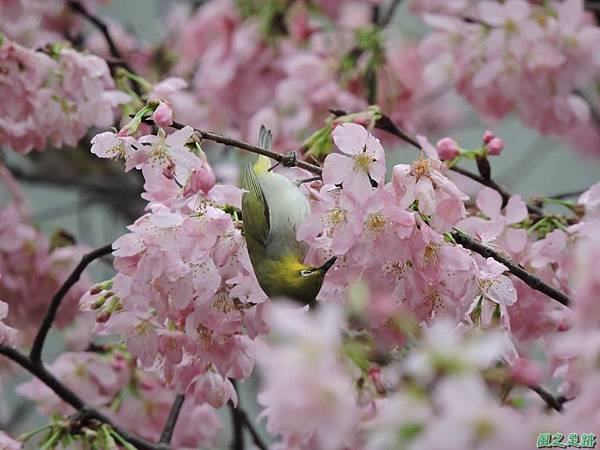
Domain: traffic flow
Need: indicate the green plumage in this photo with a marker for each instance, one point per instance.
(273, 208)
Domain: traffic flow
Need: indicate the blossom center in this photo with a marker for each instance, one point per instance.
(362, 161)
(336, 216)
(420, 168)
(376, 223)
(223, 302)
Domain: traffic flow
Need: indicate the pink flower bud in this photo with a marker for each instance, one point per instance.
(495, 146)
(163, 115)
(487, 136)
(447, 149)
(201, 179)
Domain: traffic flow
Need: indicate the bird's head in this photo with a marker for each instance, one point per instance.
(298, 281)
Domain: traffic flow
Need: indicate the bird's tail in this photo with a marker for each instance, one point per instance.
(265, 139)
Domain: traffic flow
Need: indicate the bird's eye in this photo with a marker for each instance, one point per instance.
(305, 272)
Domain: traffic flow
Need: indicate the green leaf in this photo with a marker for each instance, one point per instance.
(410, 431)
(121, 440)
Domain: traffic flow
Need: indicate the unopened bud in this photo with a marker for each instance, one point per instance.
(495, 146)
(447, 149)
(487, 136)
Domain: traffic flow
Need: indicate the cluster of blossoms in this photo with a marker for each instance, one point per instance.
(36, 23)
(477, 328)
(528, 57)
(394, 237)
(242, 78)
(415, 336)
(33, 267)
(185, 298)
(54, 97)
(111, 382)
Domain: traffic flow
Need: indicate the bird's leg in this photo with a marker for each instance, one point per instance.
(308, 180)
(290, 160)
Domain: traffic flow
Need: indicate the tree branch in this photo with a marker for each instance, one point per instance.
(460, 237)
(167, 433)
(38, 344)
(255, 436)
(78, 8)
(285, 160)
(531, 280)
(384, 123)
(240, 420)
(389, 15)
(40, 372)
(553, 402)
(237, 424)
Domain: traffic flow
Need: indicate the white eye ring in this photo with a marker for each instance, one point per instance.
(305, 272)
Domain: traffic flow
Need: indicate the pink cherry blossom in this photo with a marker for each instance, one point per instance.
(499, 227)
(362, 159)
(163, 115)
(8, 335)
(8, 443)
(304, 379)
(53, 110)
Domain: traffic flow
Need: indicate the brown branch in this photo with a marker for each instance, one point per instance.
(38, 343)
(460, 237)
(563, 195)
(167, 433)
(553, 402)
(386, 124)
(532, 209)
(239, 421)
(237, 424)
(255, 436)
(389, 15)
(78, 8)
(285, 160)
(531, 280)
(40, 372)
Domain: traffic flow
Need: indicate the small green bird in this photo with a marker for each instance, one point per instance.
(272, 210)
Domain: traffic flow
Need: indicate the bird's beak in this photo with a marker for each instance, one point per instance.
(325, 267)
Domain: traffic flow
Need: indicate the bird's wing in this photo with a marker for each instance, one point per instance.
(255, 210)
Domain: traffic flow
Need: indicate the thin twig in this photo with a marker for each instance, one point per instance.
(38, 343)
(532, 209)
(285, 160)
(552, 402)
(40, 372)
(237, 424)
(384, 123)
(255, 436)
(78, 8)
(167, 433)
(564, 195)
(531, 280)
(460, 237)
(389, 15)
(240, 420)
